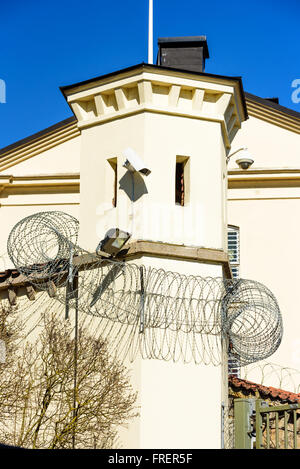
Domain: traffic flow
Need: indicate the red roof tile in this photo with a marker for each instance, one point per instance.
(264, 391)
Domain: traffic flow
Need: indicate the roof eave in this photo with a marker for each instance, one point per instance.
(143, 65)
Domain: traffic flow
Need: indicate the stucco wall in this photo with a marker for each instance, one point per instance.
(265, 207)
(38, 183)
(176, 409)
(271, 145)
(158, 139)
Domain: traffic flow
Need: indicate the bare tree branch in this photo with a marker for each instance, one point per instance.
(37, 388)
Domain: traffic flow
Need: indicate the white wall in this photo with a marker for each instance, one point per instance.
(158, 139)
(267, 213)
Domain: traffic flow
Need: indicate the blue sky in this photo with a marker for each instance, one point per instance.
(45, 45)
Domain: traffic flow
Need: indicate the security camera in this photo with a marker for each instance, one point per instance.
(134, 163)
(245, 160)
(245, 163)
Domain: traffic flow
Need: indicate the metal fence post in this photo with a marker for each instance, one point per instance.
(258, 425)
(243, 409)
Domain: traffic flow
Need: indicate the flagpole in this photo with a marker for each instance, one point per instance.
(150, 33)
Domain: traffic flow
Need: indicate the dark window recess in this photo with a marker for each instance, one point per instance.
(179, 184)
(114, 180)
(233, 237)
(114, 201)
(234, 367)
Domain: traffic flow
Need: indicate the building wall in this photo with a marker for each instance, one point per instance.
(169, 393)
(172, 394)
(63, 157)
(177, 407)
(271, 145)
(264, 201)
(153, 215)
(48, 180)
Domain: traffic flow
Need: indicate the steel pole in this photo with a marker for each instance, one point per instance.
(150, 33)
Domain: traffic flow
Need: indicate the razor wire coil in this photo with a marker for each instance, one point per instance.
(180, 316)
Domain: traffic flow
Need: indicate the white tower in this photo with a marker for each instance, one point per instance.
(181, 124)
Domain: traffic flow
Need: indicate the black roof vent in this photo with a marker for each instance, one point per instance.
(186, 53)
(274, 100)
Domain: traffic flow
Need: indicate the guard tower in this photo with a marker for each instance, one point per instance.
(181, 125)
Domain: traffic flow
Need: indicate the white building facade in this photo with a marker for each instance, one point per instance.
(183, 125)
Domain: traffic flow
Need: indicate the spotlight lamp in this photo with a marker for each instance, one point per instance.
(113, 242)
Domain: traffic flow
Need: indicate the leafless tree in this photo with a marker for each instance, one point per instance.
(43, 406)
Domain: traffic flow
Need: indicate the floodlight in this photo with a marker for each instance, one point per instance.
(113, 242)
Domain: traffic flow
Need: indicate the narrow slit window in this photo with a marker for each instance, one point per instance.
(233, 238)
(181, 180)
(114, 180)
(233, 243)
(234, 366)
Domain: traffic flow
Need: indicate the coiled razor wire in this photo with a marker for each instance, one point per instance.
(159, 314)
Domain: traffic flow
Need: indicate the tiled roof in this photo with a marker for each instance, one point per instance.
(264, 392)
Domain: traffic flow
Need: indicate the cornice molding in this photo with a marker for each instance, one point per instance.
(200, 86)
(158, 91)
(13, 280)
(43, 183)
(273, 116)
(263, 177)
(189, 253)
(250, 171)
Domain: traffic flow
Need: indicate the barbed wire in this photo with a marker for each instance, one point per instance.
(273, 374)
(153, 312)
